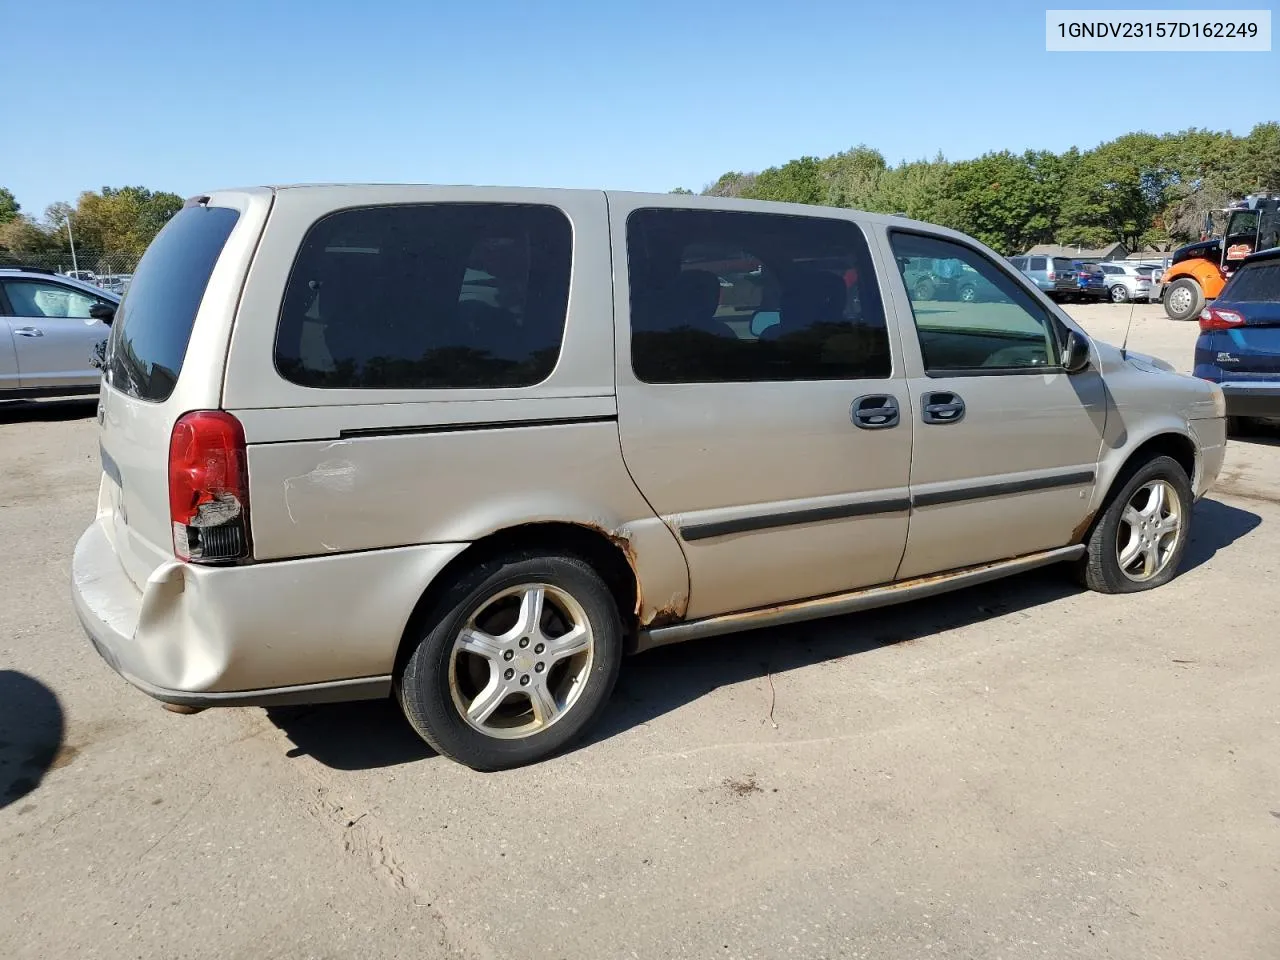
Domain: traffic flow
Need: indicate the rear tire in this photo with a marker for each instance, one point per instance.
(1183, 299)
(517, 659)
(1140, 536)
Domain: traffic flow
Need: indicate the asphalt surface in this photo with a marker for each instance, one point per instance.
(1017, 770)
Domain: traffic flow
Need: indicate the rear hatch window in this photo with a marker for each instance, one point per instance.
(1256, 282)
(153, 325)
(1063, 266)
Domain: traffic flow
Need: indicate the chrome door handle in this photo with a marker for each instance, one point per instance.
(28, 332)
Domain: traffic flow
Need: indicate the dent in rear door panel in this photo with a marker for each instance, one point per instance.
(372, 492)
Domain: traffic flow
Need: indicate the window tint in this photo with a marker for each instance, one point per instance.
(1062, 265)
(1003, 329)
(153, 324)
(732, 297)
(1019, 262)
(428, 296)
(35, 298)
(1037, 263)
(1254, 282)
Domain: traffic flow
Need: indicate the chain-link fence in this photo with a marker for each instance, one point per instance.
(111, 271)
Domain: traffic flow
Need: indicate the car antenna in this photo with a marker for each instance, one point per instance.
(1124, 346)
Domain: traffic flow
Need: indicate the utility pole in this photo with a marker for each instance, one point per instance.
(75, 267)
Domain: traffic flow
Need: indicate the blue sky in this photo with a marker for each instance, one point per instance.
(630, 95)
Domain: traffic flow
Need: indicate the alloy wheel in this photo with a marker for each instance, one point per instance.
(521, 661)
(1149, 531)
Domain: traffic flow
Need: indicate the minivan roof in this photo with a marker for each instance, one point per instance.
(687, 201)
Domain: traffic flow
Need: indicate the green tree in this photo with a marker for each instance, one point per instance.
(917, 188)
(797, 181)
(999, 199)
(9, 207)
(850, 178)
(731, 185)
(1139, 188)
(22, 238)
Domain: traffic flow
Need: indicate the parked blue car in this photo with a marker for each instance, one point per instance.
(1239, 343)
(1091, 282)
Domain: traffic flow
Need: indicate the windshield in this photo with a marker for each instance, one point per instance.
(153, 325)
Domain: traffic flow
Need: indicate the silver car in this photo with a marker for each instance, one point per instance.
(467, 447)
(50, 327)
(1128, 281)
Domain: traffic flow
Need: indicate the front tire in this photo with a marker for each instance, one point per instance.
(1183, 299)
(515, 662)
(1138, 540)
(1119, 293)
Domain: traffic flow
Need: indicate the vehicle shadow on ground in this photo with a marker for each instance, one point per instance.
(31, 731)
(351, 736)
(372, 734)
(1215, 525)
(1264, 435)
(70, 408)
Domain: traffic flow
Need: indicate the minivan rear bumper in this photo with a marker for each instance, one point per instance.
(315, 630)
(1260, 400)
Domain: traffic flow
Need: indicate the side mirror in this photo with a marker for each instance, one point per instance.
(1075, 353)
(104, 312)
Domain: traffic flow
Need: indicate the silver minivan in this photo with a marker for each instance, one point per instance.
(1054, 276)
(467, 447)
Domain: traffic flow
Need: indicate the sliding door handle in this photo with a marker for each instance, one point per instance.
(875, 412)
(941, 406)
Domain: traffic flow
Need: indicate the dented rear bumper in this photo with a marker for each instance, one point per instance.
(296, 631)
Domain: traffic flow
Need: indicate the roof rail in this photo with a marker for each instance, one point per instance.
(25, 269)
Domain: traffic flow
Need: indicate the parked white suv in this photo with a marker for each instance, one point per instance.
(1130, 281)
(467, 446)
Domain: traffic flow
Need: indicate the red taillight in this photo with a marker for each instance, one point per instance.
(1214, 319)
(209, 488)
(1052, 275)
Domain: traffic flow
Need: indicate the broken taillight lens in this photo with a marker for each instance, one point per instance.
(209, 488)
(1211, 318)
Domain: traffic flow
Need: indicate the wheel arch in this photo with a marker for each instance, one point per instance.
(1204, 272)
(608, 554)
(1171, 442)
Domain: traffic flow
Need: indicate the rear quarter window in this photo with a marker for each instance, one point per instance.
(427, 296)
(152, 328)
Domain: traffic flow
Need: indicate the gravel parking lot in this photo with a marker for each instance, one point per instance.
(1016, 770)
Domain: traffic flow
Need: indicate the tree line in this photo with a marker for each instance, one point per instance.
(116, 222)
(1141, 189)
